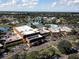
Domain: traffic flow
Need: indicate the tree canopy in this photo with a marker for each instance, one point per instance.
(64, 46)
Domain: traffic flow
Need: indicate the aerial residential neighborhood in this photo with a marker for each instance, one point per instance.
(39, 29)
(38, 34)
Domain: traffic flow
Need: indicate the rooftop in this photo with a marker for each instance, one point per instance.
(26, 30)
(38, 25)
(65, 28)
(4, 29)
(13, 38)
(1, 45)
(44, 30)
(57, 28)
(54, 28)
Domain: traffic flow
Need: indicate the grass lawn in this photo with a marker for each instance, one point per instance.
(4, 25)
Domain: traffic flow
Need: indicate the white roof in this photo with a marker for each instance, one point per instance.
(56, 28)
(25, 30)
(1, 45)
(44, 30)
(67, 29)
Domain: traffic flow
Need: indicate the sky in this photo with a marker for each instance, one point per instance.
(40, 5)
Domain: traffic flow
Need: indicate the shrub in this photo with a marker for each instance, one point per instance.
(73, 56)
(64, 46)
(48, 53)
(33, 55)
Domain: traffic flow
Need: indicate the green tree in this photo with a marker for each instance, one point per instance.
(33, 55)
(74, 32)
(47, 53)
(77, 44)
(22, 55)
(16, 56)
(62, 20)
(64, 46)
(73, 56)
(43, 54)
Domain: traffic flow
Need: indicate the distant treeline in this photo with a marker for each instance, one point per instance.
(47, 14)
